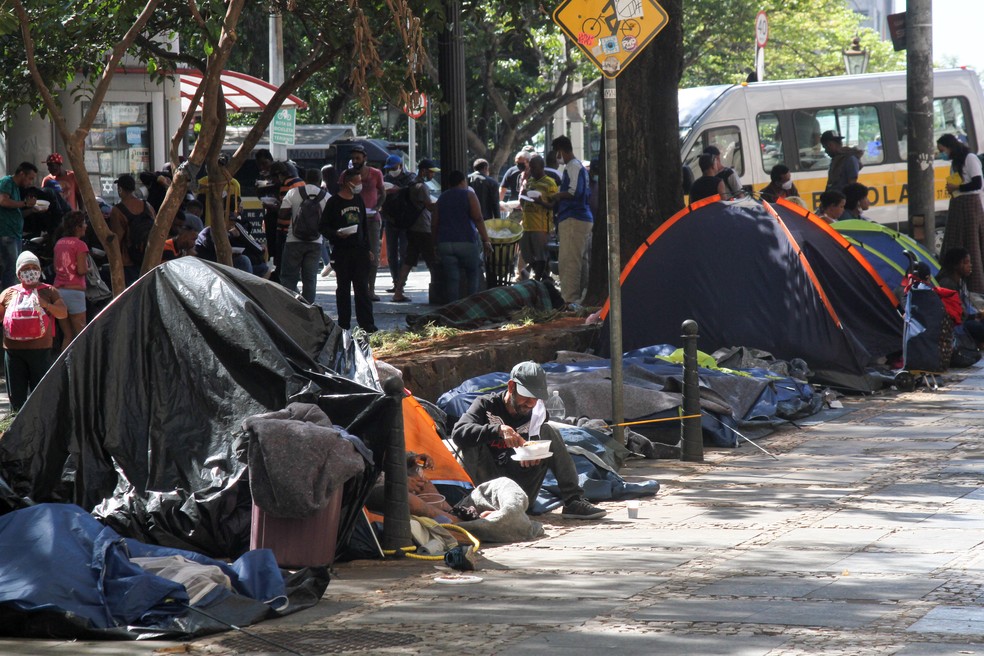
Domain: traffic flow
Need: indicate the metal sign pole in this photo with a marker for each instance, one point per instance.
(614, 259)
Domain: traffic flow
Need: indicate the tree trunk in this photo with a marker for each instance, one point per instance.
(649, 173)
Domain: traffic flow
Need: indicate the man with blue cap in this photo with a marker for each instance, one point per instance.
(495, 424)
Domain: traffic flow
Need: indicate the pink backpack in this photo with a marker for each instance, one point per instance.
(24, 319)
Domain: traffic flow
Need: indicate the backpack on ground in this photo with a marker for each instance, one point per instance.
(308, 221)
(138, 232)
(400, 210)
(24, 319)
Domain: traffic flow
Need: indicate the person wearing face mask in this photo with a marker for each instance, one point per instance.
(344, 224)
(781, 185)
(965, 216)
(373, 194)
(514, 175)
(497, 423)
(29, 310)
(396, 178)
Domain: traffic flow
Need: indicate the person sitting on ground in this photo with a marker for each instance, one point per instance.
(831, 205)
(498, 422)
(193, 210)
(181, 245)
(424, 499)
(781, 185)
(955, 269)
(856, 201)
(239, 238)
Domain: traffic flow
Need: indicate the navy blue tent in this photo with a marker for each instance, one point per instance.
(771, 277)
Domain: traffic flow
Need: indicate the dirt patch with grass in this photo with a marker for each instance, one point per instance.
(436, 362)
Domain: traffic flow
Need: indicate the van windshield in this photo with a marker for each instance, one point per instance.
(694, 102)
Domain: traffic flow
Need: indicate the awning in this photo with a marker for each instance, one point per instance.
(243, 93)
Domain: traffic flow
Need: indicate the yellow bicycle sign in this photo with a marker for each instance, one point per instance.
(611, 32)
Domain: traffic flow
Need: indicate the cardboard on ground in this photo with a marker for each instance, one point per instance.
(611, 32)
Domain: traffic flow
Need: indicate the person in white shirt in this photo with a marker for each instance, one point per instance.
(301, 257)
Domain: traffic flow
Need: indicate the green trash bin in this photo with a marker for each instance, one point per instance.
(504, 235)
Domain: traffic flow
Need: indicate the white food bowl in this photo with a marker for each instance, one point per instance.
(534, 449)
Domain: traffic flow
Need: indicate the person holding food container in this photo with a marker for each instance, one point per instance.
(506, 434)
(344, 224)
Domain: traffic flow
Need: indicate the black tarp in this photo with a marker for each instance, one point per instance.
(783, 283)
(140, 420)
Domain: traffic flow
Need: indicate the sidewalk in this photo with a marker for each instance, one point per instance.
(388, 315)
(863, 537)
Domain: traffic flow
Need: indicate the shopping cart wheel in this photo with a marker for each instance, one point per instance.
(905, 382)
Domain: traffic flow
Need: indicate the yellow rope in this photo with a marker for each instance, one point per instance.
(653, 421)
(409, 551)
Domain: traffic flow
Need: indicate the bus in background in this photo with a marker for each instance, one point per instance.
(759, 125)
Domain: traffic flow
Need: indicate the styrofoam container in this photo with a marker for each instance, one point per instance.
(533, 448)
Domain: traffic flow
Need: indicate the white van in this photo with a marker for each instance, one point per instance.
(759, 125)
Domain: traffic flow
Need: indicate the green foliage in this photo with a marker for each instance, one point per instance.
(806, 39)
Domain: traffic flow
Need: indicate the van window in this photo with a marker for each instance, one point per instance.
(770, 140)
(858, 125)
(949, 116)
(728, 141)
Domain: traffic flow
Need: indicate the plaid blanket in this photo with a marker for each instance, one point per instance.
(489, 306)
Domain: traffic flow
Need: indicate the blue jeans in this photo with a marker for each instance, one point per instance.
(301, 262)
(10, 248)
(455, 257)
(242, 263)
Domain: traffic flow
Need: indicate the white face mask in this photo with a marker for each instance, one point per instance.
(787, 185)
(357, 189)
(29, 276)
(394, 173)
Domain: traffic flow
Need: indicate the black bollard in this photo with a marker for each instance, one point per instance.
(691, 436)
(396, 532)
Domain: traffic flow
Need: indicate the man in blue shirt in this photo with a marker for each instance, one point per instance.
(12, 208)
(574, 220)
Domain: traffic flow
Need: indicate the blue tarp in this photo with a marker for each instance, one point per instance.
(60, 561)
(596, 476)
(753, 397)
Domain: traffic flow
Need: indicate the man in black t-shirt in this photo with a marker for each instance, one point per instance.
(709, 183)
(497, 423)
(344, 224)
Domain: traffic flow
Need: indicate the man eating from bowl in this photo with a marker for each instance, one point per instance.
(496, 424)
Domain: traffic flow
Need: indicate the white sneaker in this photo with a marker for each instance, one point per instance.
(326, 271)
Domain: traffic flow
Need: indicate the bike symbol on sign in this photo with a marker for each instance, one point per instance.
(610, 23)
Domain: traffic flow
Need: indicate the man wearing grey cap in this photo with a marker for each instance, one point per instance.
(497, 423)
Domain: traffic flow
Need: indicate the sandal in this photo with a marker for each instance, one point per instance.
(401, 298)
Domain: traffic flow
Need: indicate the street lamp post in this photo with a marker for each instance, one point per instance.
(856, 58)
(389, 116)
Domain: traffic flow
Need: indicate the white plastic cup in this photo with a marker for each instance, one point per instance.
(633, 508)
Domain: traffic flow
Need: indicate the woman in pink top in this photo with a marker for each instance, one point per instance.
(71, 265)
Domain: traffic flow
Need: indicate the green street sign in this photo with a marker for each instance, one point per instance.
(282, 127)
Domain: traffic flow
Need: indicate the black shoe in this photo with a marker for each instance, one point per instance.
(579, 508)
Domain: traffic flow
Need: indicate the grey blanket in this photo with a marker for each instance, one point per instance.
(508, 522)
(297, 459)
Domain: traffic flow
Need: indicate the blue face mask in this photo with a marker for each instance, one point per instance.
(945, 157)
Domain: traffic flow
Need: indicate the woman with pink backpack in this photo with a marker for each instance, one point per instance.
(28, 310)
